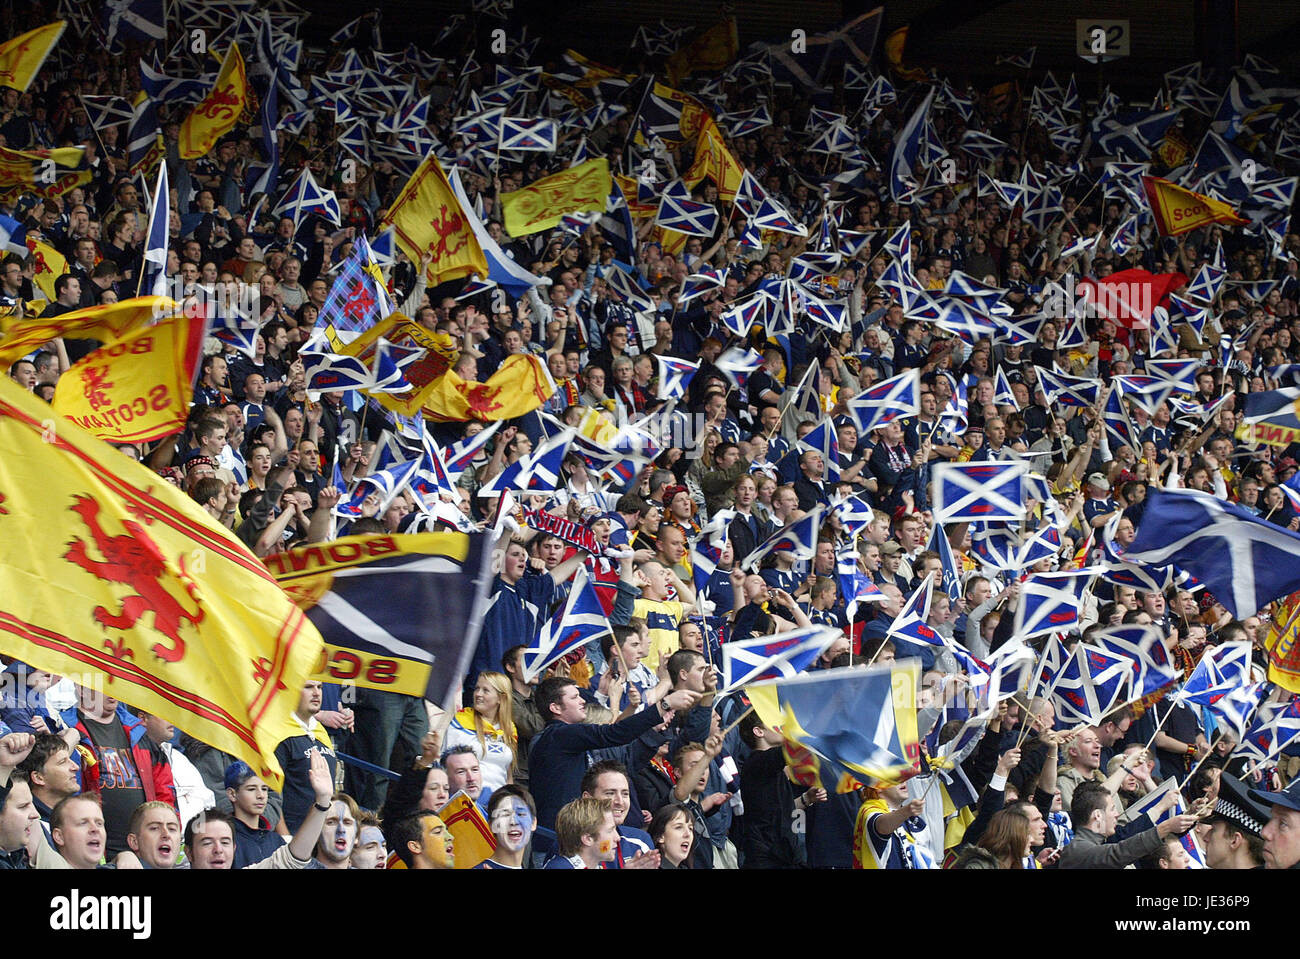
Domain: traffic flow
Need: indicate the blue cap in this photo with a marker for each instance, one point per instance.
(238, 773)
(1288, 798)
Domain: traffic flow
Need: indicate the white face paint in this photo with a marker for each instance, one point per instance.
(339, 833)
(512, 824)
(369, 852)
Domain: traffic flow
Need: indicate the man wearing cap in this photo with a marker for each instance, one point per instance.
(1231, 835)
(1281, 834)
(1098, 506)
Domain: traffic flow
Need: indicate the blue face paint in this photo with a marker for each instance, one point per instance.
(513, 824)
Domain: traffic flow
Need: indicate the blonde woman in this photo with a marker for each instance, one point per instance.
(488, 728)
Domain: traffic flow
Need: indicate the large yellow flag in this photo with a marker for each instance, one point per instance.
(541, 205)
(1178, 210)
(1283, 650)
(427, 218)
(714, 160)
(712, 50)
(521, 385)
(136, 389)
(106, 322)
(112, 576)
(22, 57)
(47, 173)
(48, 264)
(218, 111)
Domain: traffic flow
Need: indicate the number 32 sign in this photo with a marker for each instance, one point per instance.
(1101, 40)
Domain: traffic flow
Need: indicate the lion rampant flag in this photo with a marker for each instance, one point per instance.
(1283, 651)
(714, 160)
(1178, 210)
(47, 173)
(48, 264)
(541, 205)
(22, 57)
(521, 385)
(712, 50)
(116, 578)
(426, 218)
(218, 111)
(472, 837)
(106, 322)
(136, 389)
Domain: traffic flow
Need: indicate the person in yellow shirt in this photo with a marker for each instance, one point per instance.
(652, 592)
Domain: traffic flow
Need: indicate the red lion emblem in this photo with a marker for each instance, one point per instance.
(218, 104)
(94, 382)
(135, 559)
(447, 227)
(482, 400)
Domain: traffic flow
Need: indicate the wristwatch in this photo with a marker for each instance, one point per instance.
(320, 807)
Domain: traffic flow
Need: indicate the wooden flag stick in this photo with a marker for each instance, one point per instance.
(734, 723)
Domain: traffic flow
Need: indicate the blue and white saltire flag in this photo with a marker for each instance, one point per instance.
(12, 236)
(386, 373)
(153, 270)
(1010, 671)
(1243, 560)
(1148, 804)
(743, 317)
(1044, 544)
(995, 546)
(956, 412)
(697, 284)
(897, 280)
(1002, 395)
(1089, 684)
(144, 20)
(1220, 670)
(910, 623)
(1275, 728)
(822, 439)
(855, 515)
(1205, 285)
(737, 364)
(674, 377)
(431, 482)
(1119, 428)
(538, 472)
(1050, 662)
(952, 314)
(329, 372)
(1125, 237)
(386, 483)
(891, 399)
(1050, 602)
(905, 175)
(947, 564)
(978, 491)
(799, 538)
(1148, 392)
(305, 197)
(525, 133)
(899, 246)
(1152, 670)
(856, 587)
(686, 216)
(579, 621)
(1235, 709)
(459, 456)
(769, 658)
(708, 548)
(627, 288)
(1068, 390)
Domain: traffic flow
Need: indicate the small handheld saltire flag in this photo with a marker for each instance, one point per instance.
(460, 455)
(153, 269)
(1144, 647)
(1089, 684)
(1236, 709)
(738, 363)
(384, 483)
(978, 491)
(910, 623)
(768, 658)
(22, 57)
(13, 236)
(1243, 560)
(855, 514)
(427, 217)
(1068, 390)
(1148, 392)
(1147, 806)
(1276, 727)
(105, 322)
(305, 197)
(891, 399)
(1271, 417)
(538, 472)
(1178, 210)
(330, 372)
(707, 550)
(388, 363)
(697, 284)
(542, 204)
(947, 563)
(372, 598)
(1219, 671)
(1002, 394)
(220, 652)
(674, 377)
(1125, 237)
(686, 216)
(138, 388)
(821, 438)
(627, 288)
(799, 538)
(524, 133)
(1180, 372)
(218, 112)
(358, 298)
(1010, 671)
(578, 622)
(1050, 602)
(856, 587)
(144, 142)
(905, 165)
(861, 719)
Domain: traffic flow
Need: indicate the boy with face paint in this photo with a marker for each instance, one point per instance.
(338, 835)
(512, 816)
(586, 835)
(423, 841)
(371, 850)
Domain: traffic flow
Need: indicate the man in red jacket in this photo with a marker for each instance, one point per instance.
(118, 763)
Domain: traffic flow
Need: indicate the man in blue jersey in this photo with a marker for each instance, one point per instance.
(608, 780)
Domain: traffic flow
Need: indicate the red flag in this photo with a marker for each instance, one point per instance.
(1130, 296)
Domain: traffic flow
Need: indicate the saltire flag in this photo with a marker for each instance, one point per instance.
(144, 20)
(153, 269)
(706, 552)
(1235, 709)
(948, 567)
(627, 288)
(910, 623)
(799, 538)
(144, 142)
(22, 57)
(502, 270)
(385, 483)
(431, 482)
(219, 111)
(1280, 643)
(951, 314)
(1089, 684)
(769, 658)
(856, 587)
(1010, 669)
(686, 216)
(1152, 671)
(1244, 561)
(822, 439)
(1148, 392)
(522, 133)
(390, 360)
(1077, 391)
(1205, 285)
(1050, 602)
(737, 364)
(855, 515)
(981, 145)
(538, 472)
(986, 491)
(697, 284)
(138, 388)
(1219, 671)
(328, 372)
(1271, 418)
(910, 146)
(358, 298)
(1125, 237)
(306, 198)
(1002, 394)
(1274, 729)
(164, 89)
(372, 598)
(863, 720)
(13, 236)
(106, 111)
(578, 622)
(891, 399)
(1147, 806)
(674, 377)
(1180, 372)
(219, 651)
(459, 456)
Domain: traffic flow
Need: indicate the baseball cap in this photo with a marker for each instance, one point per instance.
(1288, 798)
(891, 548)
(1099, 480)
(238, 773)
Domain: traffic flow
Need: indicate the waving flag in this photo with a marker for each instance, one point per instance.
(305, 198)
(1010, 671)
(697, 284)
(1275, 728)
(1271, 417)
(1178, 210)
(738, 364)
(1235, 709)
(1151, 669)
(978, 491)
(153, 270)
(358, 298)
(951, 571)
(1090, 683)
(891, 399)
(578, 622)
(22, 57)
(521, 133)
(822, 439)
(428, 217)
(910, 623)
(627, 289)
(684, 215)
(431, 482)
(1068, 390)
(460, 455)
(328, 372)
(219, 111)
(388, 364)
(1243, 560)
(1219, 671)
(538, 472)
(909, 150)
(674, 377)
(706, 552)
(856, 586)
(385, 483)
(799, 538)
(768, 658)
(1147, 806)
(1050, 602)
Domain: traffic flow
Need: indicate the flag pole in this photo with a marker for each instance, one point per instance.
(1200, 762)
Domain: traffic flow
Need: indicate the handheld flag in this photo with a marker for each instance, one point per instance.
(799, 538)
(22, 57)
(542, 204)
(891, 399)
(578, 622)
(910, 623)
(426, 217)
(674, 377)
(153, 271)
(1178, 210)
(782, 656)
(1050, 602)
(1090, 683)
(978, 491)
(219, 111)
